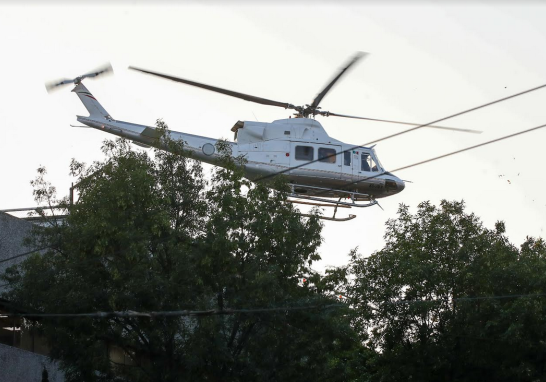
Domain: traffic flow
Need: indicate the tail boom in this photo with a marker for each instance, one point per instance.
(93, 106)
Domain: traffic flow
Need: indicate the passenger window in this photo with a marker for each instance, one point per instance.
(304, 153)
(347, 158)
(327, 155)
(367, 163)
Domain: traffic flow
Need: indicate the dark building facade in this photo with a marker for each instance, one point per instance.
(23, 352)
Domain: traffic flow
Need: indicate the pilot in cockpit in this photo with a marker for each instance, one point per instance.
(364, 162)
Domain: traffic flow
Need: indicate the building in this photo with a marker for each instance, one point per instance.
(23, 352)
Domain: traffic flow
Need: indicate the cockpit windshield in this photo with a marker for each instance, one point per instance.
(367, 163)
(376, 158)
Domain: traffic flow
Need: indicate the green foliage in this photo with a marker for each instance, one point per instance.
(149, 234)
(445, 299)
(414, 300)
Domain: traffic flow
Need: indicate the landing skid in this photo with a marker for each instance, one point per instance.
(334, 219)
(316, 204)
(354, 197)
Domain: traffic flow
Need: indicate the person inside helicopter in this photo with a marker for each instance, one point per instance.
(367, 163)
(364, 165)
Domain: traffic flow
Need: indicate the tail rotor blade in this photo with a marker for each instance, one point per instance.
(56, 84)
(104, 70)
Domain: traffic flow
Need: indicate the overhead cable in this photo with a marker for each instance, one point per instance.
(470, 298)
(220, 312)
(402, 132)
(23, 254)
(436, 158)
(172, 313)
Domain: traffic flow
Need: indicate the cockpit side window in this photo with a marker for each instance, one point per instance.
(367, 163)
(347, 158)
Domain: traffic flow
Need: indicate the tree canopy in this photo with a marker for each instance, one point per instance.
(149, 233)
(445, 299)
(448, 299)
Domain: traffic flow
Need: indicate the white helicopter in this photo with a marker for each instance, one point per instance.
(317, 166)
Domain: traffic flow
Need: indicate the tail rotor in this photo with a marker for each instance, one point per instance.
(59, 83)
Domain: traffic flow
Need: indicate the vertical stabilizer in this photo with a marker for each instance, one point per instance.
(90, 102)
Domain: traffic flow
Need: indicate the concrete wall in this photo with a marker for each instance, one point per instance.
(12, 233)
(18, 365)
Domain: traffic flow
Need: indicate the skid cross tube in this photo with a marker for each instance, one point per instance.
(324, 200)
(354, 196)
(345, 192)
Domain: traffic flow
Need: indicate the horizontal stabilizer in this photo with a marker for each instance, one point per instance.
(151, 132)
(141, 144)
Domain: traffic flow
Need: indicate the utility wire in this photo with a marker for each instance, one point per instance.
(21, 255)
(52, 271)
(402, 302)
(219, 312)
(400, 133)
(357, 181)
(172, 313)
(436, 158)
(499, 297)
(367, 178)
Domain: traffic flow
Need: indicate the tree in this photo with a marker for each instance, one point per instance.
(149, 234)
(447, 299)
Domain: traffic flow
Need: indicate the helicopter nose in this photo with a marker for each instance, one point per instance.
(394, 184)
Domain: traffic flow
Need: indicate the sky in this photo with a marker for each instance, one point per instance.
(426, 61)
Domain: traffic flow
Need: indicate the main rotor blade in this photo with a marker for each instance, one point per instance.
(321, 95)
(246, 97)
(327, 113)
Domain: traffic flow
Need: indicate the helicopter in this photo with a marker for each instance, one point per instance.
(320, 169)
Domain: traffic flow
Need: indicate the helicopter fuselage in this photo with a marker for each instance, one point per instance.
(313, 162)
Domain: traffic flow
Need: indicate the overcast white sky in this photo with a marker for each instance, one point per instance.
(426, 62)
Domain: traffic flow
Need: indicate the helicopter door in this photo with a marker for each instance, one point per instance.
(274, 152)
(325, 161)
(356, 164)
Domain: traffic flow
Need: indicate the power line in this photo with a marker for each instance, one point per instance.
(402, 132)
(21, 255)
(443, 300)
(346, 185)
(371, 177)
(360, 180)
(172, 313)
(499, 297)
(219, 312)
(458, 114)
(52, 271)
(438, 157)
